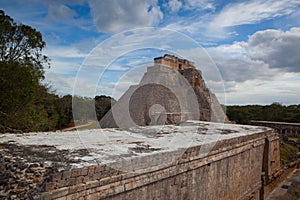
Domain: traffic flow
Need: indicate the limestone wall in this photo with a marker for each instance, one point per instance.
(284, 128)
(233, 170)
(174, 62)
(196, 160)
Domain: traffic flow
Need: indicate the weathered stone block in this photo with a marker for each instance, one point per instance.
(71, 181)
(91, 170)
(75, 173)
(56, 177)
(84, 171)
(61, 192)
(50, 186)
(66, 174)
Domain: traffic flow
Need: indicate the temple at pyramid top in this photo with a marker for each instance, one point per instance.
(185, 67)
(174, 62)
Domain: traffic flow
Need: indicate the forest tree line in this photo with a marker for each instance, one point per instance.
(274, 112)
(25, 103)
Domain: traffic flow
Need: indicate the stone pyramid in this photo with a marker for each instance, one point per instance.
(170, 92)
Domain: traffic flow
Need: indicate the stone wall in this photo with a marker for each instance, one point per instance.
(19, 180)
(174, 62)
(284, 128)
(233, 170)
(196, 160)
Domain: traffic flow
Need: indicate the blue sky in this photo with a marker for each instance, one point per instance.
(248, 51)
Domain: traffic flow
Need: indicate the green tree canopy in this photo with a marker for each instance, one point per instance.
(273, 112)
(102, 105)
(21, 43)
(25, 104)
(21, 69)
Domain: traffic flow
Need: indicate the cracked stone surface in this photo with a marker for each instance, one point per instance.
(65, 150)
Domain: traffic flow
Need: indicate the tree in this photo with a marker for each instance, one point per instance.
(21, 69)
(103, 105)
(273, 112)
(65, 111)
(21, 43)
(16, 94)
(25, 104)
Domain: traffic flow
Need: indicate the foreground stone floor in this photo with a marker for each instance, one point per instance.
(83, 148)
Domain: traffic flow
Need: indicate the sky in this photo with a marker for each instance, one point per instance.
(248, 51)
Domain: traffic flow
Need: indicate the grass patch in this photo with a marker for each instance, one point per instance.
(288, 153)
(91, 126)
(294, 139)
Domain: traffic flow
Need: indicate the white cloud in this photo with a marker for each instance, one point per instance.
(250, 12)
(264, 56)
(62, 67)
(262, 70)
(266, 92)
(62, 84)
(115, 16)
(65, 63)
(240, 69)
(293, 20)
(277, 48)
(64, 52)
(247, 68)
(202, 4)
(212, 26)
(174, 5)
(59, 12)
(229, 72)
(124, 57)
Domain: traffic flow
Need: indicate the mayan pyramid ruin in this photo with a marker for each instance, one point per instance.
(170, 92)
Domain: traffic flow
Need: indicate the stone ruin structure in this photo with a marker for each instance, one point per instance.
(170, 92)
(283, 128)
(185, 67)
(197, 160)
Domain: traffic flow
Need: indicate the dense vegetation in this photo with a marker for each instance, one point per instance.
(288, 152)
(273, 112)
(26, 104)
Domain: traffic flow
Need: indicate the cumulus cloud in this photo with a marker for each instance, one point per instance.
(279, 49)
(263, 69)
(266, 55)
(245, 80)
(115, 16)
(241, 69)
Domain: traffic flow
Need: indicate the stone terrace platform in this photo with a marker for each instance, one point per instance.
(196, 160)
